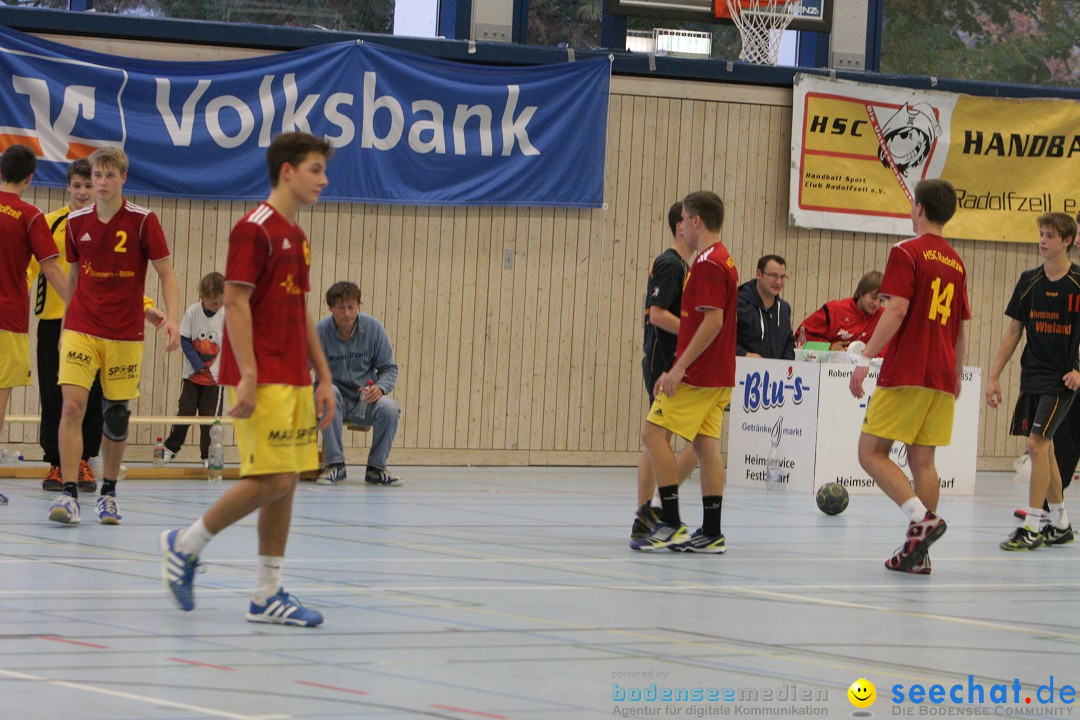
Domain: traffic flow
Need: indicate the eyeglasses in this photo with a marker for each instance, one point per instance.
(776, 277)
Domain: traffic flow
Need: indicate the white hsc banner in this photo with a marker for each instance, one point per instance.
(774, 405)
(842, 415)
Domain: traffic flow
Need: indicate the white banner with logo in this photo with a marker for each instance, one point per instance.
(842, 416)
(773, 410)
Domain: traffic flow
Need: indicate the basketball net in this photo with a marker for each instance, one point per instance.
(761, 24)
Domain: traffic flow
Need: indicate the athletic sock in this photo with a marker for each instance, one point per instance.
(1033, 519)
(267, 578)
(1058, 517)
(914, 509)
(72, 489)
(655, 502)
(710, 524)
(194, 539)
(669, 499)
(108, 486)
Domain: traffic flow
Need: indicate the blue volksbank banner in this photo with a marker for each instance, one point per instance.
(406, 128)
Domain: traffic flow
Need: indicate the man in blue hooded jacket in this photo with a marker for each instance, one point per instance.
(765, 317)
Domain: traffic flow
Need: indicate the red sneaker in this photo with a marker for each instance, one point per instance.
(87, 482)
(53, 482)
(920, 536)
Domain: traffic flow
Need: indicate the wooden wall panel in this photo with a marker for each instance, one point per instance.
(518, 330)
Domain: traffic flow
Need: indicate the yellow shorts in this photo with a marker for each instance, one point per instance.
(692, 411)
(14, 359)
(912, 415)
(281, 436)
(120, 363)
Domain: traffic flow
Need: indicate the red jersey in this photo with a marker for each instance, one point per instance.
(713, 282)
(112, 258)
(22, 232)
(931, 276)
(272, 255)
(840, 321)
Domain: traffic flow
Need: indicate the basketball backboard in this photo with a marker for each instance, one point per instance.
(813, 15)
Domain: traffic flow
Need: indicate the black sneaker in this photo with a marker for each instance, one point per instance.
(381, 477)
(1057, 536)
(1022, 539)
(645, 521)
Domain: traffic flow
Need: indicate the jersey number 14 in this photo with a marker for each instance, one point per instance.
(941, 302)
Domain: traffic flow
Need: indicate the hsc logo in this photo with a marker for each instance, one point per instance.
(762, 391)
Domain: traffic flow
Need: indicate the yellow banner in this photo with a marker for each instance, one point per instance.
(859, 151)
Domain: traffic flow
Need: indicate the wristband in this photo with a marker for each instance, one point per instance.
(862, 361)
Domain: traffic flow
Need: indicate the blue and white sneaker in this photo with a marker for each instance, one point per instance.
(663, 536)
(108, 512)
(283, 609)
(702, 543)
(179, 570)
(333, 474)
(65, 509)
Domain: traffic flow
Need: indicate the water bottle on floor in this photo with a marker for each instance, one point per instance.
(215, 458)
(772, 469)
(159, 453)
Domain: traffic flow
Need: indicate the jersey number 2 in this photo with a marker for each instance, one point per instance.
(941, 303)
(122, 237)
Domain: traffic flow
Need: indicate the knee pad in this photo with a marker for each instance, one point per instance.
(116, 416)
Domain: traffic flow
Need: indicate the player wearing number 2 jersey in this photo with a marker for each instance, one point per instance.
(109, 245)
(926, 283)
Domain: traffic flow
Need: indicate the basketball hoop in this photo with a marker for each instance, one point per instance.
(761, 23)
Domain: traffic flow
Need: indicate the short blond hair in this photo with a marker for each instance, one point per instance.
(110, 157)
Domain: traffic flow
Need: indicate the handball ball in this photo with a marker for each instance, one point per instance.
(832, 498)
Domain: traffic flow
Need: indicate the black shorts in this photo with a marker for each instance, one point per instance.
(1040, 414)
(652, 367)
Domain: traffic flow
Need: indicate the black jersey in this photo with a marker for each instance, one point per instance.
(666, 279)
(1050, 312)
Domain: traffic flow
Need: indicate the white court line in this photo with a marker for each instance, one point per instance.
(769, 588)
(139, 698)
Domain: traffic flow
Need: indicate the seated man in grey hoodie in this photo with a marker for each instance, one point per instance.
(362, 365)
(764, 317)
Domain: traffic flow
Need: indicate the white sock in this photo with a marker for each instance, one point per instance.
(1058, 516)
(914, 509)
(655, 502)
(194, 539)
(1033, 519)
(268, 578)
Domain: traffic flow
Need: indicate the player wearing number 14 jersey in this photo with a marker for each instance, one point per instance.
(926, 284)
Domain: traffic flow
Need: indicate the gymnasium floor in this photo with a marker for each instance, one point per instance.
(510, 593)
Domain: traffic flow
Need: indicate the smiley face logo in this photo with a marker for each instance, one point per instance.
(862, 693)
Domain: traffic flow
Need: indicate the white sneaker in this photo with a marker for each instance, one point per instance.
(332, 475)
(169, 455)
(65, 509)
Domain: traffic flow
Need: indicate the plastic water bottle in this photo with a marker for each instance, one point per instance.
(215, 458)
(159, 453)
(97, 465)
(363, 403)
(772, 469)
(10, 457)
(801, 339)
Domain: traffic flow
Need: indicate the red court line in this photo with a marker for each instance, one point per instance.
(57, 638)
(330, 687)
(470, 712)
(200, 664)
